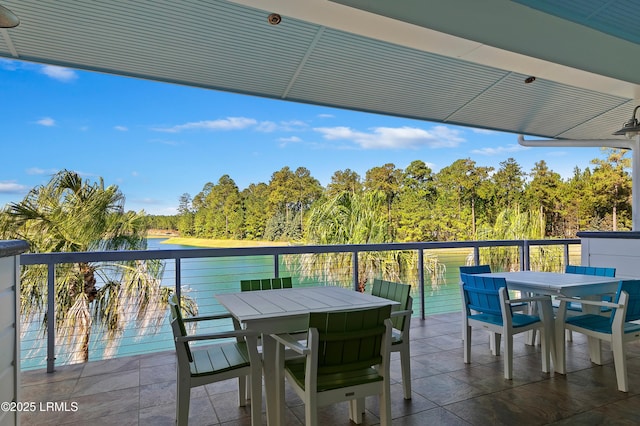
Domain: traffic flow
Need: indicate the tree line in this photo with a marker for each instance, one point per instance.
(463, 201)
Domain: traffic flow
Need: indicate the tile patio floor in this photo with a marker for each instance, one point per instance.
(140, 390)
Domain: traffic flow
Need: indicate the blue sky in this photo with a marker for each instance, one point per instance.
(157, 141)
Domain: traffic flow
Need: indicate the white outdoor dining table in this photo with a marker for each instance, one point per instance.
(284, 311)
(559, 284)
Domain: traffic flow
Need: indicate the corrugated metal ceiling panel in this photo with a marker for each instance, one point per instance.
(226, 46)
(618, 18)
(364, 74)
(542, 107)
(244, 54)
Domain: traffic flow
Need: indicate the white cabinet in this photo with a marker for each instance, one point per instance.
(10, 327)
(620, 250)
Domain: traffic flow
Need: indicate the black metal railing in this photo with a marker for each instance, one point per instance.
(187, 269)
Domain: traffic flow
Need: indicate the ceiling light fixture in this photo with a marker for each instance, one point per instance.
(632, 127)
(8, 19)
(274, 19)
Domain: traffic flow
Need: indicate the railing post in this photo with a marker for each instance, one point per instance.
(566, 255)
(421, 283)
(276, 266)
(51, 317)
(476, 255)
(354, 262)
(178, 278)
(524, 256)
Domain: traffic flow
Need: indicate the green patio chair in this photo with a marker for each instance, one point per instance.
(266, 284)
(346, 359)
(401, 321)
(271, 284)
(201, 365)
(618, 328)
(486, 305)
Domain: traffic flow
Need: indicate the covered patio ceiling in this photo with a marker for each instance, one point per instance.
(456, 61)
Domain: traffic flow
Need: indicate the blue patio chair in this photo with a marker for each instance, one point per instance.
(590, 270)
(475, 269)
(486, 305)
(575, 308)
(618, 328)
(494, 342)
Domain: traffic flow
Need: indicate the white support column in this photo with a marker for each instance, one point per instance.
(635, 183)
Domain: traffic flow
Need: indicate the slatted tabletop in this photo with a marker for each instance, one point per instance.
(251, 306)
(554, 283)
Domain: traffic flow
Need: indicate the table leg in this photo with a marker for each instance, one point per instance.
(546, 315)
(595, 345)
(560, 363)
(532, 309)
(273, 366)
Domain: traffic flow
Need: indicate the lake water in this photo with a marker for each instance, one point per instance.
(201, 280)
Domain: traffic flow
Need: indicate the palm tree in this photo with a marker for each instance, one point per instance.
(514, 224)
(358, 218)
(71, 215)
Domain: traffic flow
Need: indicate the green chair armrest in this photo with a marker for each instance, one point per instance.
(290, 342)
(218, 335)
(208, 317)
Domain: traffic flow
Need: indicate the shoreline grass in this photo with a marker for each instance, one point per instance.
(214, 243)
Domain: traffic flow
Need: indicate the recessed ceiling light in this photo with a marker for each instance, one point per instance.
(274, 19)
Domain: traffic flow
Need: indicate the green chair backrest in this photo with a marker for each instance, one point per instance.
(349, 340)
(176, 320)
(266, 284)
(393, 291)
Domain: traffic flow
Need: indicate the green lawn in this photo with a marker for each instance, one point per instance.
(206, 242)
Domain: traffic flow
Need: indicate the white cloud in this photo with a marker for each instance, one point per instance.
(484, 131)
(283, 126)
(59, 73)
(499, 150)
(39, 171)
(11, 187)
(326, 116)
(286, 141)
(267, 127)
(292, 125)
(8, 64)
(121, 128)
(290, 139)
(46, 121)
(229, 123)
(395, 137)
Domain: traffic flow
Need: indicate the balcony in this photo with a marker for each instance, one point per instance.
(140, 389)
